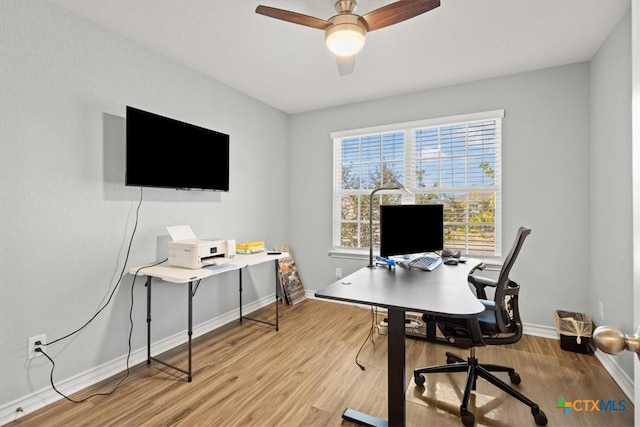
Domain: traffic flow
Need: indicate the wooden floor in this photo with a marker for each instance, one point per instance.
(306, 375)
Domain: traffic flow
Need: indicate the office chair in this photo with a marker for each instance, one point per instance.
(480, 282)
(499, 324)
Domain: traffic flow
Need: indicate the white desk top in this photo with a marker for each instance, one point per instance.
(172, 274)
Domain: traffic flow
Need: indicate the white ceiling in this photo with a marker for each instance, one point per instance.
(289, 67)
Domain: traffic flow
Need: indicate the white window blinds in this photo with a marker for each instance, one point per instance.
(453, 161)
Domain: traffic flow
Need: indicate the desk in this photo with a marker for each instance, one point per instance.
(184, 275)
(443, 291)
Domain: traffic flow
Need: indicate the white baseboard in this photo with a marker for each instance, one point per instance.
(45, 396)
(619, 376)
(540, 331)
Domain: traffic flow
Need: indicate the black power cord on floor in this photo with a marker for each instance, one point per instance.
(368, 338)
(53, 364)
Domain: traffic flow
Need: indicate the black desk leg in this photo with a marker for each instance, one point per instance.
(148, 285)
(277, 287)
(189, 329)
(396, 361)
(190, 325)
(276, 325)
(240, 291)
(395, 378)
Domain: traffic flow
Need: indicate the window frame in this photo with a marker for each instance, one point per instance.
(409, 128)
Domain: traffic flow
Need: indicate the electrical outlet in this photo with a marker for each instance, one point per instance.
(601, 309)
(338, 273)
(32, 345)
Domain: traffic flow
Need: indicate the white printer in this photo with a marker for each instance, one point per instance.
(198, 253)
(187, 251)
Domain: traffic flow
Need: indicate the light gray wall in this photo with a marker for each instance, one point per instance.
(566, 173)
(611, 268)
(545, 177)
(66, 217)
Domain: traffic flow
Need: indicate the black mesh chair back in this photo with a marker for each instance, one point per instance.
(505, 300)
(521, 235)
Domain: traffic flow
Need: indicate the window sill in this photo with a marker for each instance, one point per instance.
(491, 263)
(359, 254)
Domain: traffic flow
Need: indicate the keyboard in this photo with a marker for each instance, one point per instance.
(428, 263)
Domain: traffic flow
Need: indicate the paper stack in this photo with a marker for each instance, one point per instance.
(250, 247)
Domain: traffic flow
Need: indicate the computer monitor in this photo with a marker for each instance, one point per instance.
(411, 229)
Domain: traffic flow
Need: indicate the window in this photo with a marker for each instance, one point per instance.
(453, 161)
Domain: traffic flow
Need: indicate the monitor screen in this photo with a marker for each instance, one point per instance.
(411, 229)
(164, 152)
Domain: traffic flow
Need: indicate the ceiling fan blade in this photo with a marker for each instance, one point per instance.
(346, 64)
(296, 18)
(397, 12)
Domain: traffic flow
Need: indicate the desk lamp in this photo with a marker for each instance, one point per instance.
(396, 186)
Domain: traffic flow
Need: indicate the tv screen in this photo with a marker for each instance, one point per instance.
(411, 229)
(167, 153)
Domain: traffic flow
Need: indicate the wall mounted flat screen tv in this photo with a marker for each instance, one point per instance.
(167, 153)
(411, 229)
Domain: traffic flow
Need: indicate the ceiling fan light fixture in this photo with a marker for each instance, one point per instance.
(346, 36)
(345, 32)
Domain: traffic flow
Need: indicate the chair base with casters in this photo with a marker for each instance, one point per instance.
(474, 369)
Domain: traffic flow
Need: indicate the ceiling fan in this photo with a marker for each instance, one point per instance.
(346, 31)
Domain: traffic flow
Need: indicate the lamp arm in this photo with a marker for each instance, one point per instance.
(371, 264)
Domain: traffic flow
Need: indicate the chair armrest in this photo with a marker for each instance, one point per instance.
(479, 283)
(489, 305)
(480, 267)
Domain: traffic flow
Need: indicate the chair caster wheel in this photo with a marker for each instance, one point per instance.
(515, 378)
(468, 420)
(539, 417)
(419, 380)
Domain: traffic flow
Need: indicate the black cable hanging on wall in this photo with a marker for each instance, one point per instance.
(122, 273)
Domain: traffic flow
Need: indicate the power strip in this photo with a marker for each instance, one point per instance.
(412, 321)
(408, 324)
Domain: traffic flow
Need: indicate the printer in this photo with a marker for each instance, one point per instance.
(187, 251)
(198, 253)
